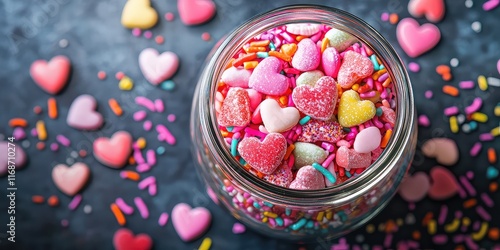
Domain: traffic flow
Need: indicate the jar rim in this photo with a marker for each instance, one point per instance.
(336, 18)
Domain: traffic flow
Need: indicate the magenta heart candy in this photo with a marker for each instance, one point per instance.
(444, 184)
(307, 57)
(318, 101)
(266, 77)
(349, 158)
(51, 76)
(263, 156)
(235, 110)
(82, 114)
(355, 67)
(17, 157)
(331, 131)
(414, 188)
(308, 178)
(236, 77)
(190, 223)
(414, 39)
(157, 67)
(282, 176)
(193, 12)
(331, 61)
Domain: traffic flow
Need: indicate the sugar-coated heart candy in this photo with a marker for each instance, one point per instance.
(139, 14)
(19, 161)
(266, 77)
(308, 178)
(263, 156)
(113, 152)
(51, 76)
(331, 61)
(190, 223)
(124, 239)
(307, 154)
(157, 67)
(82, 114)
(388, 115)
(319, 101)
(445, 150)
(432, 9)
(236, 77)
(349, 158)
(70, 180)
(355, 67)
(235, 110)
(340, 40)
(303, 29)
(352, 111)
(414, 39)
(317, 130)
(282, 176)
(277, 119)
(414, 188)
(367, 140)
(307, 57)
(444, 184)
(193, 12)
(309, 78)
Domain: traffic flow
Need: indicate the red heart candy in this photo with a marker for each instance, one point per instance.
(282, 176)
(318, 101)
(349, 158)
(415, 187)
(51, 76)
(235, 110)
(263, 156)
(308, 178)
(444, 184)
(113, 152)
(432, 9)
(354, 68)
(124, 239)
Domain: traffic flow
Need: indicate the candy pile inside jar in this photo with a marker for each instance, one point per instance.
(305, 106)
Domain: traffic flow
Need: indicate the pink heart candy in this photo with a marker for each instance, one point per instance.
(414, 188)
(16, 152)
(82, 114)
(319, 101)
(277, 119)
(444, 184)
(193, 12)
(113, 152)
(303, 29)
(367, 140)
(355, 67)
(265, 156)
(51, 76)
(282, 176)
(266, 77)
(157, 67)
(331, 61)
(190, 223)
(235, 110)
(414, 39)
(308, 178)
(349, 158)
(307, 57)
(236, 77)
(70, 180)
(432, 9)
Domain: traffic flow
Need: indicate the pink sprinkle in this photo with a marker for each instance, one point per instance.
(328, 160)
(159, 105)
(440, 239)
(384, 17)
(126, 209)
(136, 32)
(490, 5)
(151, 157)
(458, 238)
(485, 215)
(442, 214)
(147, 125)
(169, 138)
(19, 133)
(487, 200)
(75, 202)
(238, 228)
(424, 121)
(470, 175)
(205, 36)
(34, 133)
(475, 106)
(486, 137)
(453, 110)
(119, 75)
(327, 146)
(474, 151)
(144, 167)
(414, 67)
(466, 84)
(146, 182)
(428, 94)
(169, 16)
(470, 243)
(162, 221)
(63, 140)
(470, 189)
(139, 115)
(388, 240)
(138, 157)
(171, 117)
(145, 102)
(148, 34)
(54, 146)
(152, 189)
(461, 193)
(141, 206)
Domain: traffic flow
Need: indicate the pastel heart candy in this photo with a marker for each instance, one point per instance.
(414, 188)
(432, 9)
(124, 239)
(331, 131)
(51, 76)
(289, 49)
(319, 101)
(266, 77)
(277, 119)
(444, 184)
(349, 158)
(139, 14)
(307, 57)
(367, 140)
(307, 154)
(352, 111)
(445, 150)
(70, 180)
(303, 29)
(190, 223)
(282, 176)
(414, 39)
(355, 67)
(255, 99)
(19, 159)
(309, 78)
(236, 77)
(388, 115)
(193, 12)
(235, 110)
(308, 178)
(263, 156)
(340, 40)
(82, 114)
(157, 67)
(113, 152)
(331, 61)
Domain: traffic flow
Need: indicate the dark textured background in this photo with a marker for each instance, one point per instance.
(31, 30)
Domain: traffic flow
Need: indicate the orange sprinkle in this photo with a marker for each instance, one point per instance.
(377, 74)
(38, 199)
(340, 90)
(443, 69)
(118, 214)
(289, 151)
(386, 138)
(229, 64)
(159, 39)
(260, 175)
(415, 235)
(494, 233)
(492, 156)
(250, 64)
(450, 90)
(115, 107)
(368, 50)
(460, 247)
(470, 203)
(393, 18)
(493, 187)
(131, 175)
(37, 110)
(283, 100)
(53, 201)
(262, 43)
(447, 77)
(40, 145)
(245, 58)
(428, 216)
(355, 87)
(131, 160)
(255, 49)
(281, 56)
(324, 44)
(387, 83)
(52, 108)
(18, 122)
(299, 38)
(41, 130)
(82, 153)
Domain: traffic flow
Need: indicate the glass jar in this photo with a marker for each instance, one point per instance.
(301, 214)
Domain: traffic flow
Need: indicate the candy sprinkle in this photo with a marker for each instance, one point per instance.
(325, 172)
(120, 218)
(205, 244)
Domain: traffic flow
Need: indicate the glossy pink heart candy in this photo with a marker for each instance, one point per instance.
(266, 77)
(113, 152)
(19, 157)
(51, 76)
(414, 188)
(432, 9)
(157, 67)
(190, 223)
(70, 180)
(82, 114)
(331, 61)
(193, 12)
(263, 156)
(236, 77)
(319, 101)
(414, 39)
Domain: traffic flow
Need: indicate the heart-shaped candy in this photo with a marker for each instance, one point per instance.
(263, 156)
(113, 152)
(139, 14)
(340, 40)
(331, 131)
(444, 184)
(414, 188)
(193, 12)
(308, 178)
(303, 29)
(331, 61)
(349, 158)
(388, 115)
(355, 67)
(18, 162)
(82, 114)
(432, 9)
(415, 39)
(124, 239)
(235, 110)
(190, 223)
(266, 77)
(319, 101)
(445, 150)
(307, 154)
(158, 67)
(367, 140)
(352, 111)
(70, 180)
(236, 77)
(282, 176)
(289, 49)
(309, 78)
(277, 119)
(51, 76)
(307, 57)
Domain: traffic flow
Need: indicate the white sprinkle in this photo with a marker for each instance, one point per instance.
(410, 219)
(26, 144)
(74, 154)
(87, 209)
(466, 128)
(70, 161)
(63, 43)
(469, 3)
(476, 26)
(494, 82)
(454, 62)
(460, 118)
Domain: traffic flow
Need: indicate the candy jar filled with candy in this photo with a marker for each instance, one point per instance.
(303, 122)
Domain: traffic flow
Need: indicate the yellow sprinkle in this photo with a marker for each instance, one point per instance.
(141, 142)
(479, 235)
(355, 87)
(431, 227)
(465, 221)
(324, 44)
(453, 226)
(497, 110)
(250, 64)
(126, 83)
(495, 131)
(265, 219)
(329, 215)
(481, 81)
(370, 228)
(41, 131)
(399, 222)
(205, 244)
(224, 133)
(270, 214)
(479, 117)
(320, 216)
(453, 124)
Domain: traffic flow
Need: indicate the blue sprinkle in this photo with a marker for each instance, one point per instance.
(379, 111)
(242, 162)
(473, 125)
(160, 150)
(234, 144)
(342, 215)
(288, 211)
(299, 224)
(491, 173)
(272, 46)
(347, 130)
(256, 205)
(325, 172)
(229, 128)
(304, 120)
(381, 67)
(167, 85)
(279, 221)
(348, 174)
(376, 66)
(310, 224)
(262, 54)
(267, 204)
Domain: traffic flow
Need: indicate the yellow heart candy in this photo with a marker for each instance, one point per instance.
(139, 14)
(352, 111)
(126, 83)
